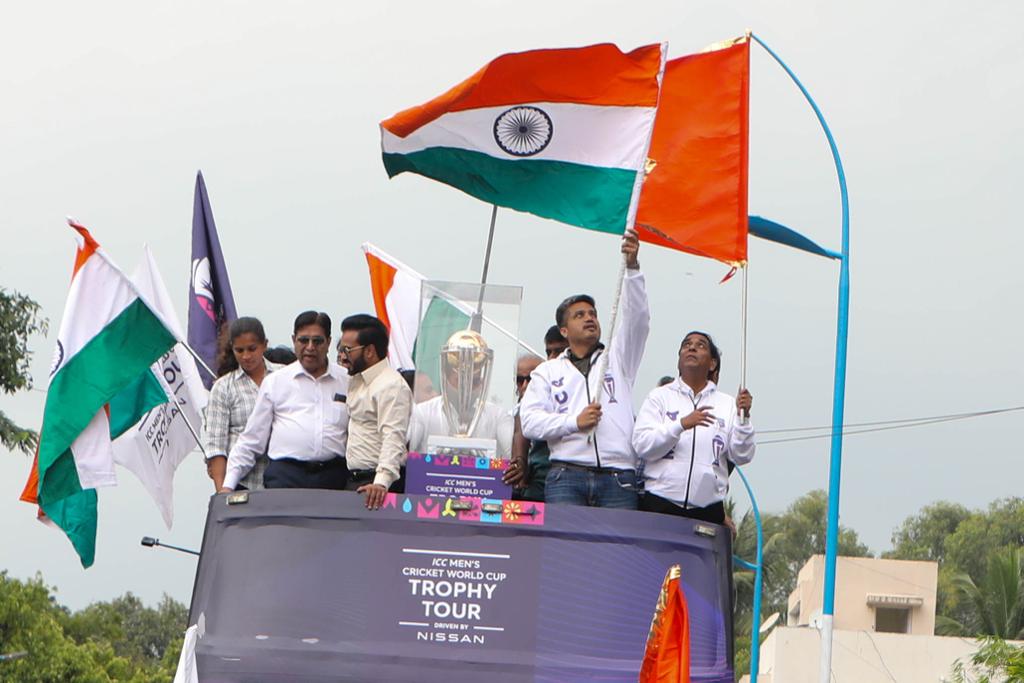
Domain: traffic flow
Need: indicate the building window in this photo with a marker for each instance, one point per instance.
(892, 620)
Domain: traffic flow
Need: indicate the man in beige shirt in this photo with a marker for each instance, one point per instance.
(379, 406)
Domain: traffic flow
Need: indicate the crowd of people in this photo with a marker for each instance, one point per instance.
(307, 421)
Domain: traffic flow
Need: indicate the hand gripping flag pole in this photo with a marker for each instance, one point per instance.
(839, 388)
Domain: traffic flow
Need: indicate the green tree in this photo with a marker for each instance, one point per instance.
(790, 539)
(797, 534)
(983, 534)
(19, 319)
(996, 660)
(995, 604)
(60, 649)
(923, 536)
(137, 632)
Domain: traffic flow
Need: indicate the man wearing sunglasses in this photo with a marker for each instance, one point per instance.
(300, 420)
(530, 459)
(379, 402)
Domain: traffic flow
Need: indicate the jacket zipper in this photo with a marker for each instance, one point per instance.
(693, 456)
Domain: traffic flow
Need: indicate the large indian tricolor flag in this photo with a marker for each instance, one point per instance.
(100, 385)
(562, 133)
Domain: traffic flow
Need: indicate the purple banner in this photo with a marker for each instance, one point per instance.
(456, 476)
(210, 302)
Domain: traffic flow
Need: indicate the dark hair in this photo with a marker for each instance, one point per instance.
(372, 332)
(226, 361)
(564, 306)
(313, 318)
(554, 335)
(410, 377)
(281, 355)
(716, 355)
(667, 379)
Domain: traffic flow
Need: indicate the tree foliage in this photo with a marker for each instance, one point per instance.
(996, 661)
(995, 604)
(790, 539)
(120, 640)
(965, 543)
(20, 318)
(923, 536)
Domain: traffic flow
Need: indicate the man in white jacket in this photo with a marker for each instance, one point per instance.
(592, 458)
(688, 432)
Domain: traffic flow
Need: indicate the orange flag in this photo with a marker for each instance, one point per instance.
(667, 657)
(694, 198)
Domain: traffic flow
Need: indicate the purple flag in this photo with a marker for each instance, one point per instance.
(210, 304)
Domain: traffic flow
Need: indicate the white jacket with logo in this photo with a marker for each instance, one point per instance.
(558, 392)
(689, 466)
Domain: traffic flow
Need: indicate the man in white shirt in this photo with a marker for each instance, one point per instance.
(592, 458)
(689, 432)
(379, 404)
(300, 419)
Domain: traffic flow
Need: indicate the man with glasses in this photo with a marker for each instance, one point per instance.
(379, 404)
(530, 459)
(300, 419)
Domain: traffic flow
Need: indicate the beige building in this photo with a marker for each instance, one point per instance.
(885, 596)
(883, 627)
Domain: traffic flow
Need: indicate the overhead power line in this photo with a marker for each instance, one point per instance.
(883, 426)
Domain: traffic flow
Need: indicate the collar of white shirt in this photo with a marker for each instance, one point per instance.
(333, 370)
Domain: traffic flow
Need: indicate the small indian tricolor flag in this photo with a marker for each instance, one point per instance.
(415, 325)
(562, 134)
(396, 298)
(100, 385)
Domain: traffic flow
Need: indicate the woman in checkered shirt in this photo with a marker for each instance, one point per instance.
(242, 369)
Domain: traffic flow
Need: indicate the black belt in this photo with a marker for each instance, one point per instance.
(313, 465)
(362, 475)
(588, 468)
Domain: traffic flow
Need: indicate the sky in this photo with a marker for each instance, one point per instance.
(110, 108)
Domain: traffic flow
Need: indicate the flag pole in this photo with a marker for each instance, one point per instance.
(744, 416)
(477, 319)
(602, 364)
(174, 399)
(838, 392)
(202, 363)
(634, 204)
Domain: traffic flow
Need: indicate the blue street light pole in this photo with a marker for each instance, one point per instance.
(838, 392)
(757, 568)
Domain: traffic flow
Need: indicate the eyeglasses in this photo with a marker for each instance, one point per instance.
(347, 350)
(315, 341)
(522, 379)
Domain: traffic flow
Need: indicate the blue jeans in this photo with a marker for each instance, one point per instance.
(574, 486)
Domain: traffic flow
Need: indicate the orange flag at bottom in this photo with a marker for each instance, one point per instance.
(667, 657)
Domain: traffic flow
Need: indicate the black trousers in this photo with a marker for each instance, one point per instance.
(712, 513)
(286, 473)
(357, 478)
